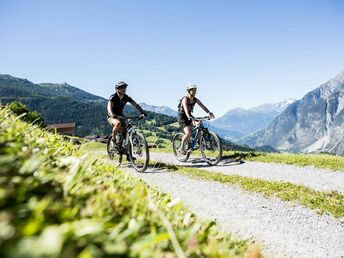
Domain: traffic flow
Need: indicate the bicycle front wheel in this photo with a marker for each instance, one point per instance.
(211, 148)
(138, 152)
(176, 145)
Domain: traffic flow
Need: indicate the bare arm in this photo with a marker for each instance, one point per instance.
(137, 106)
(204, 108)
(109, 108)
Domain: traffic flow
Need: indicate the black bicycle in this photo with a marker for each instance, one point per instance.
(201, 138)
(133, 145)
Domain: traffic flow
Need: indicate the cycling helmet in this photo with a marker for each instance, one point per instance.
(190, 87)
(121, 84)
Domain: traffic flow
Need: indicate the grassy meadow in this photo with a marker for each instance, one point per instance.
(57, 200)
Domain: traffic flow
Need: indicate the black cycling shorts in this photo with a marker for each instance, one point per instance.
(184, 121)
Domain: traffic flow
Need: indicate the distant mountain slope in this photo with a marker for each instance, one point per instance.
(160, 109)
(240, 122)
(67, 90)
(270, 108)
(61, 103)
(313, 124)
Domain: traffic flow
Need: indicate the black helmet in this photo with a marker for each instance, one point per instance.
(121, 84)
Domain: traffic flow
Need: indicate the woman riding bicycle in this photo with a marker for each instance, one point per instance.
(185, 118)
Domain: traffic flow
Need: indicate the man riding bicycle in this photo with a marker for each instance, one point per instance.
(115, 108)
(185, 118)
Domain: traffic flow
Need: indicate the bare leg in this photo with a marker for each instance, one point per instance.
(187, 134)
(116, 126)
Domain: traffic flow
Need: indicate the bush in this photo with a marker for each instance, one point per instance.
(28, 116)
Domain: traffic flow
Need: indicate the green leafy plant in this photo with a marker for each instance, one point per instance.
(58, 200)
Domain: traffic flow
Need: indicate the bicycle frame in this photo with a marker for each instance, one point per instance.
(129, 129)
(131, 143)
(195, 132)
(201, 138)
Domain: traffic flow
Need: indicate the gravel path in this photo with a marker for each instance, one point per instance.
(318, 179)
(283, 229)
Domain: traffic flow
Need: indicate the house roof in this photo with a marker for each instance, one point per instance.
(61, 126)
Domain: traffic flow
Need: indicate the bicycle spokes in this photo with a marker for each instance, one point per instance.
(211, 148)
(181, 152)
(139, 153)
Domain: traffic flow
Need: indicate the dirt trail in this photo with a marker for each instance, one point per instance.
(282, 228)
(318, 179)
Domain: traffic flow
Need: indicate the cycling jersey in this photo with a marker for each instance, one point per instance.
(118, 104)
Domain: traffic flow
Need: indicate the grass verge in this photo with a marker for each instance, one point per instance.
(325, 161)
(315, 160)
(323, 202)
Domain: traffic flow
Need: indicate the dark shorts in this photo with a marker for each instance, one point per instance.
(121, 119)
(183, 121)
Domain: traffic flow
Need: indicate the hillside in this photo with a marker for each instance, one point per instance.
(73, 105)
(313, 124)
(62, 103)
(239, 122)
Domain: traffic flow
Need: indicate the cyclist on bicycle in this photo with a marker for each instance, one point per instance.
(185, 118)
(115, 108)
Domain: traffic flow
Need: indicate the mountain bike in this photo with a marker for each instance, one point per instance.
(133, 144)
(201, 138)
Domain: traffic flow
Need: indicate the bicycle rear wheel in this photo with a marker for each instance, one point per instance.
(176, 143)
(138, 152)
(211, 148)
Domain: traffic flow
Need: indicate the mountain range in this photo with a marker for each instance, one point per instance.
(239, 122)
(63, 103)
(314, 123)
(160, 109)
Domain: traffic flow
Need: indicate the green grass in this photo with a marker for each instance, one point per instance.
(323, 202)
(325, 161)
(59, 201)
(315, 160)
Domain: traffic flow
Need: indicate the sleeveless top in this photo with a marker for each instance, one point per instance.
(189, 104)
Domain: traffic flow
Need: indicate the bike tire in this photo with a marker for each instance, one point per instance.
(138, 152)
(112, 153)
(176, 142)
(213, 139)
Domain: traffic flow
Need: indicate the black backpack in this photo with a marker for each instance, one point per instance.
(180, 105)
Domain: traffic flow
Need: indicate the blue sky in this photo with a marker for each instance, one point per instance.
(239, 53)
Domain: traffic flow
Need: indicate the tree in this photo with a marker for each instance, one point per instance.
(28, 116)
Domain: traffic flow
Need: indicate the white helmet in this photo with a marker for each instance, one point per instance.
(190, 87)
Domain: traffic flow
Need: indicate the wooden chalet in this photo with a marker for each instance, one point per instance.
(66, 128)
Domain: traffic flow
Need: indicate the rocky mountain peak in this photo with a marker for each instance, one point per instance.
(333, 85)
(313, 124)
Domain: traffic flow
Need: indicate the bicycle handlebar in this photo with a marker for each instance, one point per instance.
(133, 117)
(202, 118)
(129, 117)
